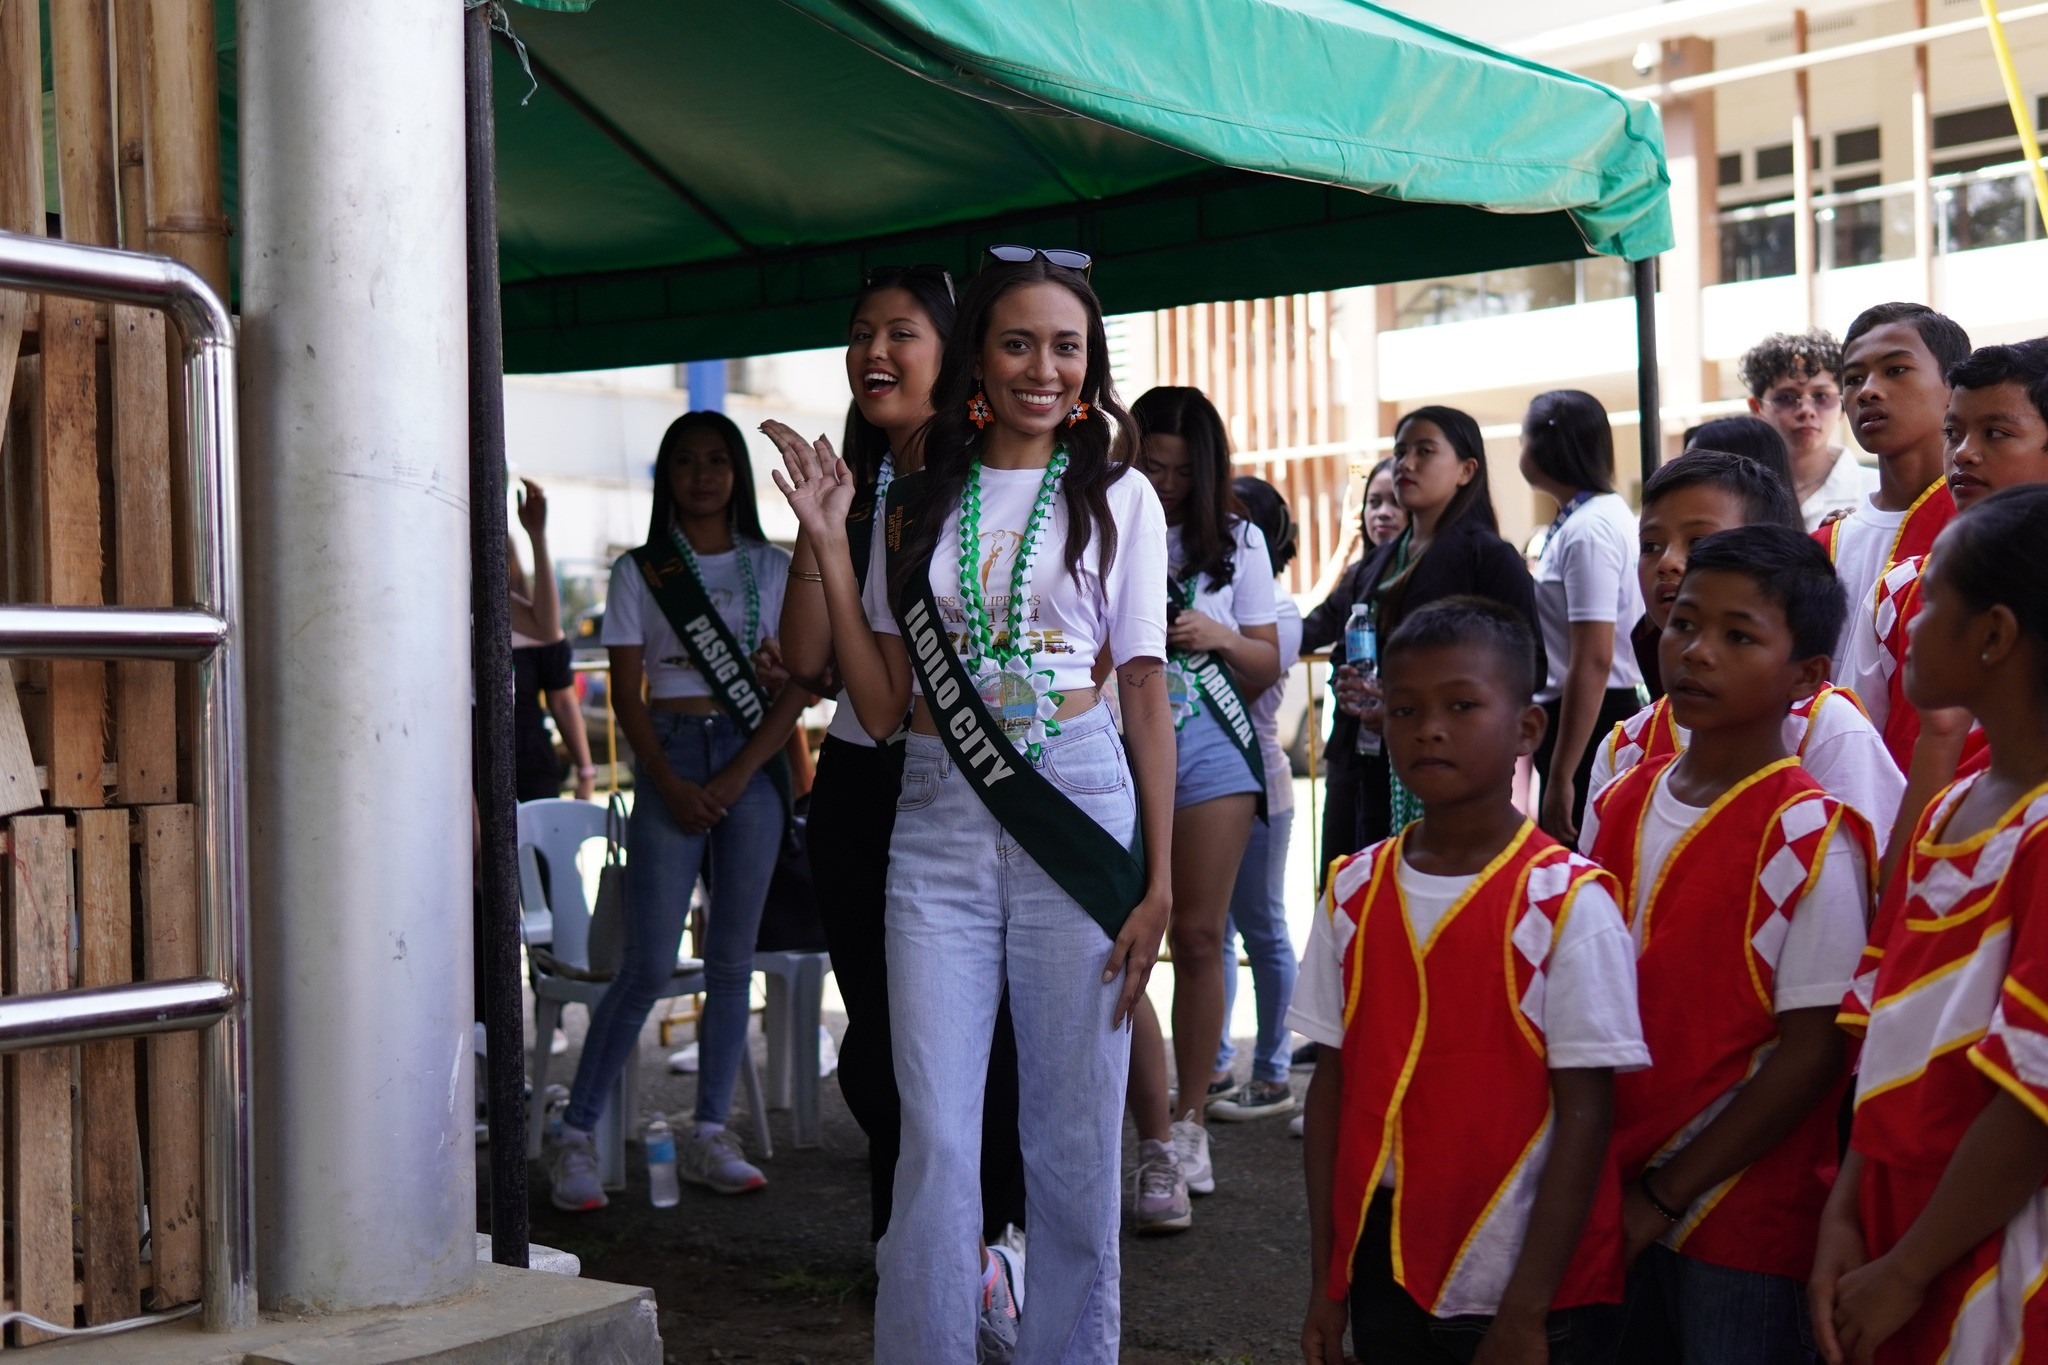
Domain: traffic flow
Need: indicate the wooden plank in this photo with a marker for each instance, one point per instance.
(21, 119)
(113, 1183)
(170, 912)
(145, 691)
(39, 1110)
(75, 741)
(19, 787)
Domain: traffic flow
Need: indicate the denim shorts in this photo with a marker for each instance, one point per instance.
(1208, 764)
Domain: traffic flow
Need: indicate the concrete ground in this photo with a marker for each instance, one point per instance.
(786, 1274)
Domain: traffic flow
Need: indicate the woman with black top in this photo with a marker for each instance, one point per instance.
(1380, 519)
(898, 328)
(1451, 548)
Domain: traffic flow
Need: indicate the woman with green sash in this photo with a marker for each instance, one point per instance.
(1223, 649)
(687, 615)
(896, 332)
(1021, 555)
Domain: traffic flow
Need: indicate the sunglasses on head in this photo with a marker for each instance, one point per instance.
(882, 276)
(1059, 256)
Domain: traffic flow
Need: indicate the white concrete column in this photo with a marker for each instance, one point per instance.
(1694, 262)
(354, 497)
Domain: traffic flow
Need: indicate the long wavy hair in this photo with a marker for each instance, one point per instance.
(865, 444)
(1098, 450)
(742, 513)
(1212, 507)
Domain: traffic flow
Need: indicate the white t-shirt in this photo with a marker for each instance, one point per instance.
(1247, 599)
(1849, 484)
(1863, 544)
(1816, 960)
(1843, 751)
(1587, 573)
(1266, 711)
(1588, 1008)
(1067, 619)
(845, 725)
(632, 617)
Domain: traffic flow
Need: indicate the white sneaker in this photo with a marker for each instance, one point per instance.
(1161, 1203)
(572, 1174)
(1297, 1124)
(718, 1162)
(1002, 1306)
(1191, 1146)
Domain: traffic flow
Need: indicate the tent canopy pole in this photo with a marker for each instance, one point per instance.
(1647, 401)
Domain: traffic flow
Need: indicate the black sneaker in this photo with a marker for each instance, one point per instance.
(1304, 1057)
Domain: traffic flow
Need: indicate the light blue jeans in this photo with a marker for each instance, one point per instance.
(662, 863)
(1258, 910)
(968, 910)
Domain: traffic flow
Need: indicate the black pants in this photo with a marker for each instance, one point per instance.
(1617, 704)
(853, 812)
(1390, 1328)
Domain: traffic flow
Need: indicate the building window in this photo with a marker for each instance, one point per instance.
(1855, 146)
(1773, 162)
(1731, 169)
(1986, 123)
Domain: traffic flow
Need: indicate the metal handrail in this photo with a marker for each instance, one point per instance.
(1788, 207)
(208, 634)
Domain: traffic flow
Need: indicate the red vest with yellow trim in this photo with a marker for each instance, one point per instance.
(1950, 1002)
(1445, 1077)
(1712, 925)
(1931, 511)
(1652, 733)
(1898, 602)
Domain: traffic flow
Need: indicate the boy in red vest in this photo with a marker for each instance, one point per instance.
(1748, 889)
(1472, 989)
(1699, 494)
(1895, 361)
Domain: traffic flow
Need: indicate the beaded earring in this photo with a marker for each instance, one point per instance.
(1079, 414)
(978, 410)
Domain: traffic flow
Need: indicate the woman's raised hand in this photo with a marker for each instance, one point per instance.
(819, 486)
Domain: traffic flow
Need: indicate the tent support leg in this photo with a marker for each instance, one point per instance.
(1647, 390)
(497, 945)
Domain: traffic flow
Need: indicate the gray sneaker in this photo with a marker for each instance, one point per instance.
(1191, 1145)
(572, 1173)
(1162, 1200)
(1002, 1305)
(1256, 1100)
(718, 1162)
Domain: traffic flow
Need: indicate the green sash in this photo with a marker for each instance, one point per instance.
(1081, 856)
(860, 538)
(1214, 685)
(713, 650)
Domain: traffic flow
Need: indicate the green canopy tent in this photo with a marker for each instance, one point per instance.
(706, 180)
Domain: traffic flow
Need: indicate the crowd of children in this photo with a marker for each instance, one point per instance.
(1594, 1104)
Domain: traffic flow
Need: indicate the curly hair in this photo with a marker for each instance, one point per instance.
(1794, 355)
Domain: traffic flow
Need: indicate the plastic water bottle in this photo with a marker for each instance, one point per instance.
(1362, 652)
(662, 1190)
(554, 1104)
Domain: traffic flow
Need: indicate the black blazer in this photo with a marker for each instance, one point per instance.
(1466, 559)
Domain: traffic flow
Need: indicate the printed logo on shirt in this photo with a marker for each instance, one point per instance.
(723, 599)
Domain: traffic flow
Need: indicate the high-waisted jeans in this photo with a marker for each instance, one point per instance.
(662, 863)
(968, 912)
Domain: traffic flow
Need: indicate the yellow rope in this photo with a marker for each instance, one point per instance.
(2017, 98)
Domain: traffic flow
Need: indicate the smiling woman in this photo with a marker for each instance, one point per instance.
(1021, 559)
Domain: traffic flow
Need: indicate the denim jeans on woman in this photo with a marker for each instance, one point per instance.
(968, 912)
(1258, 910)
(662, 863)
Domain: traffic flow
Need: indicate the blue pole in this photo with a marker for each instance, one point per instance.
(706, 379)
